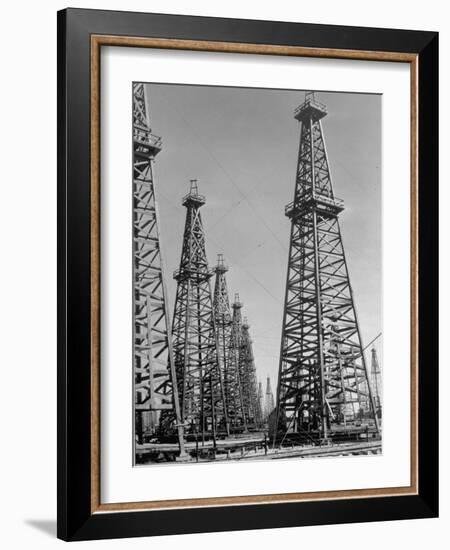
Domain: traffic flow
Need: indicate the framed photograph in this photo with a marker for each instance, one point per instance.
(247, 274)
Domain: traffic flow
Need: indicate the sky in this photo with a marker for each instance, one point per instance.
(241, 144)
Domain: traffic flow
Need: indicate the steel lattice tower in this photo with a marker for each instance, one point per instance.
(223, 318)
(323, 377)
(376, 382)
(235, 365)
(269, 404)
(195, 341)
(248, 377)
(154, 370)
(261, 402)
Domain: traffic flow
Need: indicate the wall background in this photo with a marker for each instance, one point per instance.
(28, 274)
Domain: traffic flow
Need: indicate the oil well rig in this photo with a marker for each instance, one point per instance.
(324, 391)
(197, 394)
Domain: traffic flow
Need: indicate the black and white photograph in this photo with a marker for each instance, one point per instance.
(257, 269)
(222, 255)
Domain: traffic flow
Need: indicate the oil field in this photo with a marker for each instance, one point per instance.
(199, 394)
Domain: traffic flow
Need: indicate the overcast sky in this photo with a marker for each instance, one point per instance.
(242, 144)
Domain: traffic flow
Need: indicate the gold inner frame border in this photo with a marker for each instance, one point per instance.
(97, 41)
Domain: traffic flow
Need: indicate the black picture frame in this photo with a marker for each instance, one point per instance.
(75, 518)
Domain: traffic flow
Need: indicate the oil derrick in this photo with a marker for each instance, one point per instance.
(269, 402)
(195, 342)
(248, 378)
(323, 377)
(239, 419)
(156, 398)
(376, 382)
(261, 402)
(229, 368)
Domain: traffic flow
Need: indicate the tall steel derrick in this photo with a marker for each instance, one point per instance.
(376, 382)
(261, 402)
(195, 339)
(156, 399)
(248, 377)
(226, 349)
(240, 412)
(269, 402)
(323, 376)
